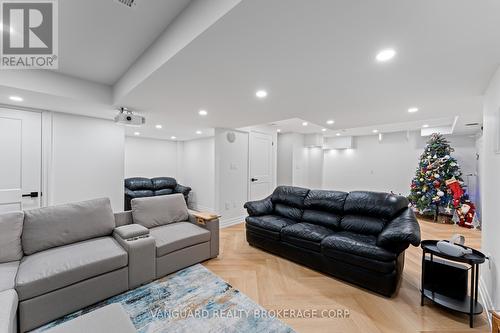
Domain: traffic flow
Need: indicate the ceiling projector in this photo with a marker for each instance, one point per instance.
(127, 117)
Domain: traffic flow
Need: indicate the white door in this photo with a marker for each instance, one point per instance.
(261, 166)
(20, 159)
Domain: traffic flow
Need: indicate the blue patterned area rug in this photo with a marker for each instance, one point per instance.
(191, 300)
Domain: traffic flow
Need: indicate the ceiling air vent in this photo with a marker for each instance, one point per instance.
(472, 124)
(128, 3)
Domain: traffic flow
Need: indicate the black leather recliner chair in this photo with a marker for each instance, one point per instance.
(139, 187)
(359, 236)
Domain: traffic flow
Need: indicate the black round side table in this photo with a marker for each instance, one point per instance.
(467, 304)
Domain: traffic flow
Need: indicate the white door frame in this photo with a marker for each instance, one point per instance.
(46, 141)
(272, 161)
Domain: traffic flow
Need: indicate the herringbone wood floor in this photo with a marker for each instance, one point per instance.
(277, 283)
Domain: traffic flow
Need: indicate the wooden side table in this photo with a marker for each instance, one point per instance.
(203, 217)
(467, 304)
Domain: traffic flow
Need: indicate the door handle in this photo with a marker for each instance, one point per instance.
(254, 179)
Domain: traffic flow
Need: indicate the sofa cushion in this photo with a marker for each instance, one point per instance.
(138, 183)
(139, 193)
(290, 196)
(165, 191)
(49, 227)
(287, 211)
(384, 267)
(60, 267)
(269, 222)
(156, 211)
(8, 272)
(323, 218)
(176, 236)
(366, 225)
(382, 205)
(360, 245)
(305, 235)
(11, 228)
(160, 183)
(325, 200)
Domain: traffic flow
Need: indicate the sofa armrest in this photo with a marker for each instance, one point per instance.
(211, 224)
(141, 250)
(131, 231)
(184, 190)
(8, 311)
(400, 232)
(259, 207)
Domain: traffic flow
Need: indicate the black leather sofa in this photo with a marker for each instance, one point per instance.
(359, 237)
(139, 187)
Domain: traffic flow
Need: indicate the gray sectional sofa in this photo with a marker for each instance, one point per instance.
(56, 260)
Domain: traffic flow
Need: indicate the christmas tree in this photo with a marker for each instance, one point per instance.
(438, 184)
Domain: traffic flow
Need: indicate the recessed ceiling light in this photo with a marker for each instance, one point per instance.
(278, 130)
(425, 125)
(323, 130)
(261, 94)
(305, 123)
(338, 134)
(412, 110)
(385, 55)
(199, 132)
(173, 137)
(203, 112)
(330, 122)
(158, 126)
(137, 133)
(16, 98)
(375, 131)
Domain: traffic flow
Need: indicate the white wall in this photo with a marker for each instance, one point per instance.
(198, 172)
(388, 165)
(371, 165)
(490, 183)
(151, 158)
(231, 173)
(87, 160)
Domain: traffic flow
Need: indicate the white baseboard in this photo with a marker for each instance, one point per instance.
(227, 222)
(485, 299)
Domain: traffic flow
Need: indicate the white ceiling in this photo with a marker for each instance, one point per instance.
(315, 58)
(100, 39)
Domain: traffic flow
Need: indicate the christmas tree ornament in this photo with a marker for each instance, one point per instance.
(440, 194)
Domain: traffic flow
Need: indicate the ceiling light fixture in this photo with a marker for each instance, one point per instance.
(425, 125)
(278, 130)
(261, 94)
(305, 123)
(137, 133)
(16, 98)
(173, 137)
(385, 55)
(412, 110)
(203, 112)
(375, 131)
(330, 122)
(158, 126)
(323, 130)
(199, 132)
(338, 134)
